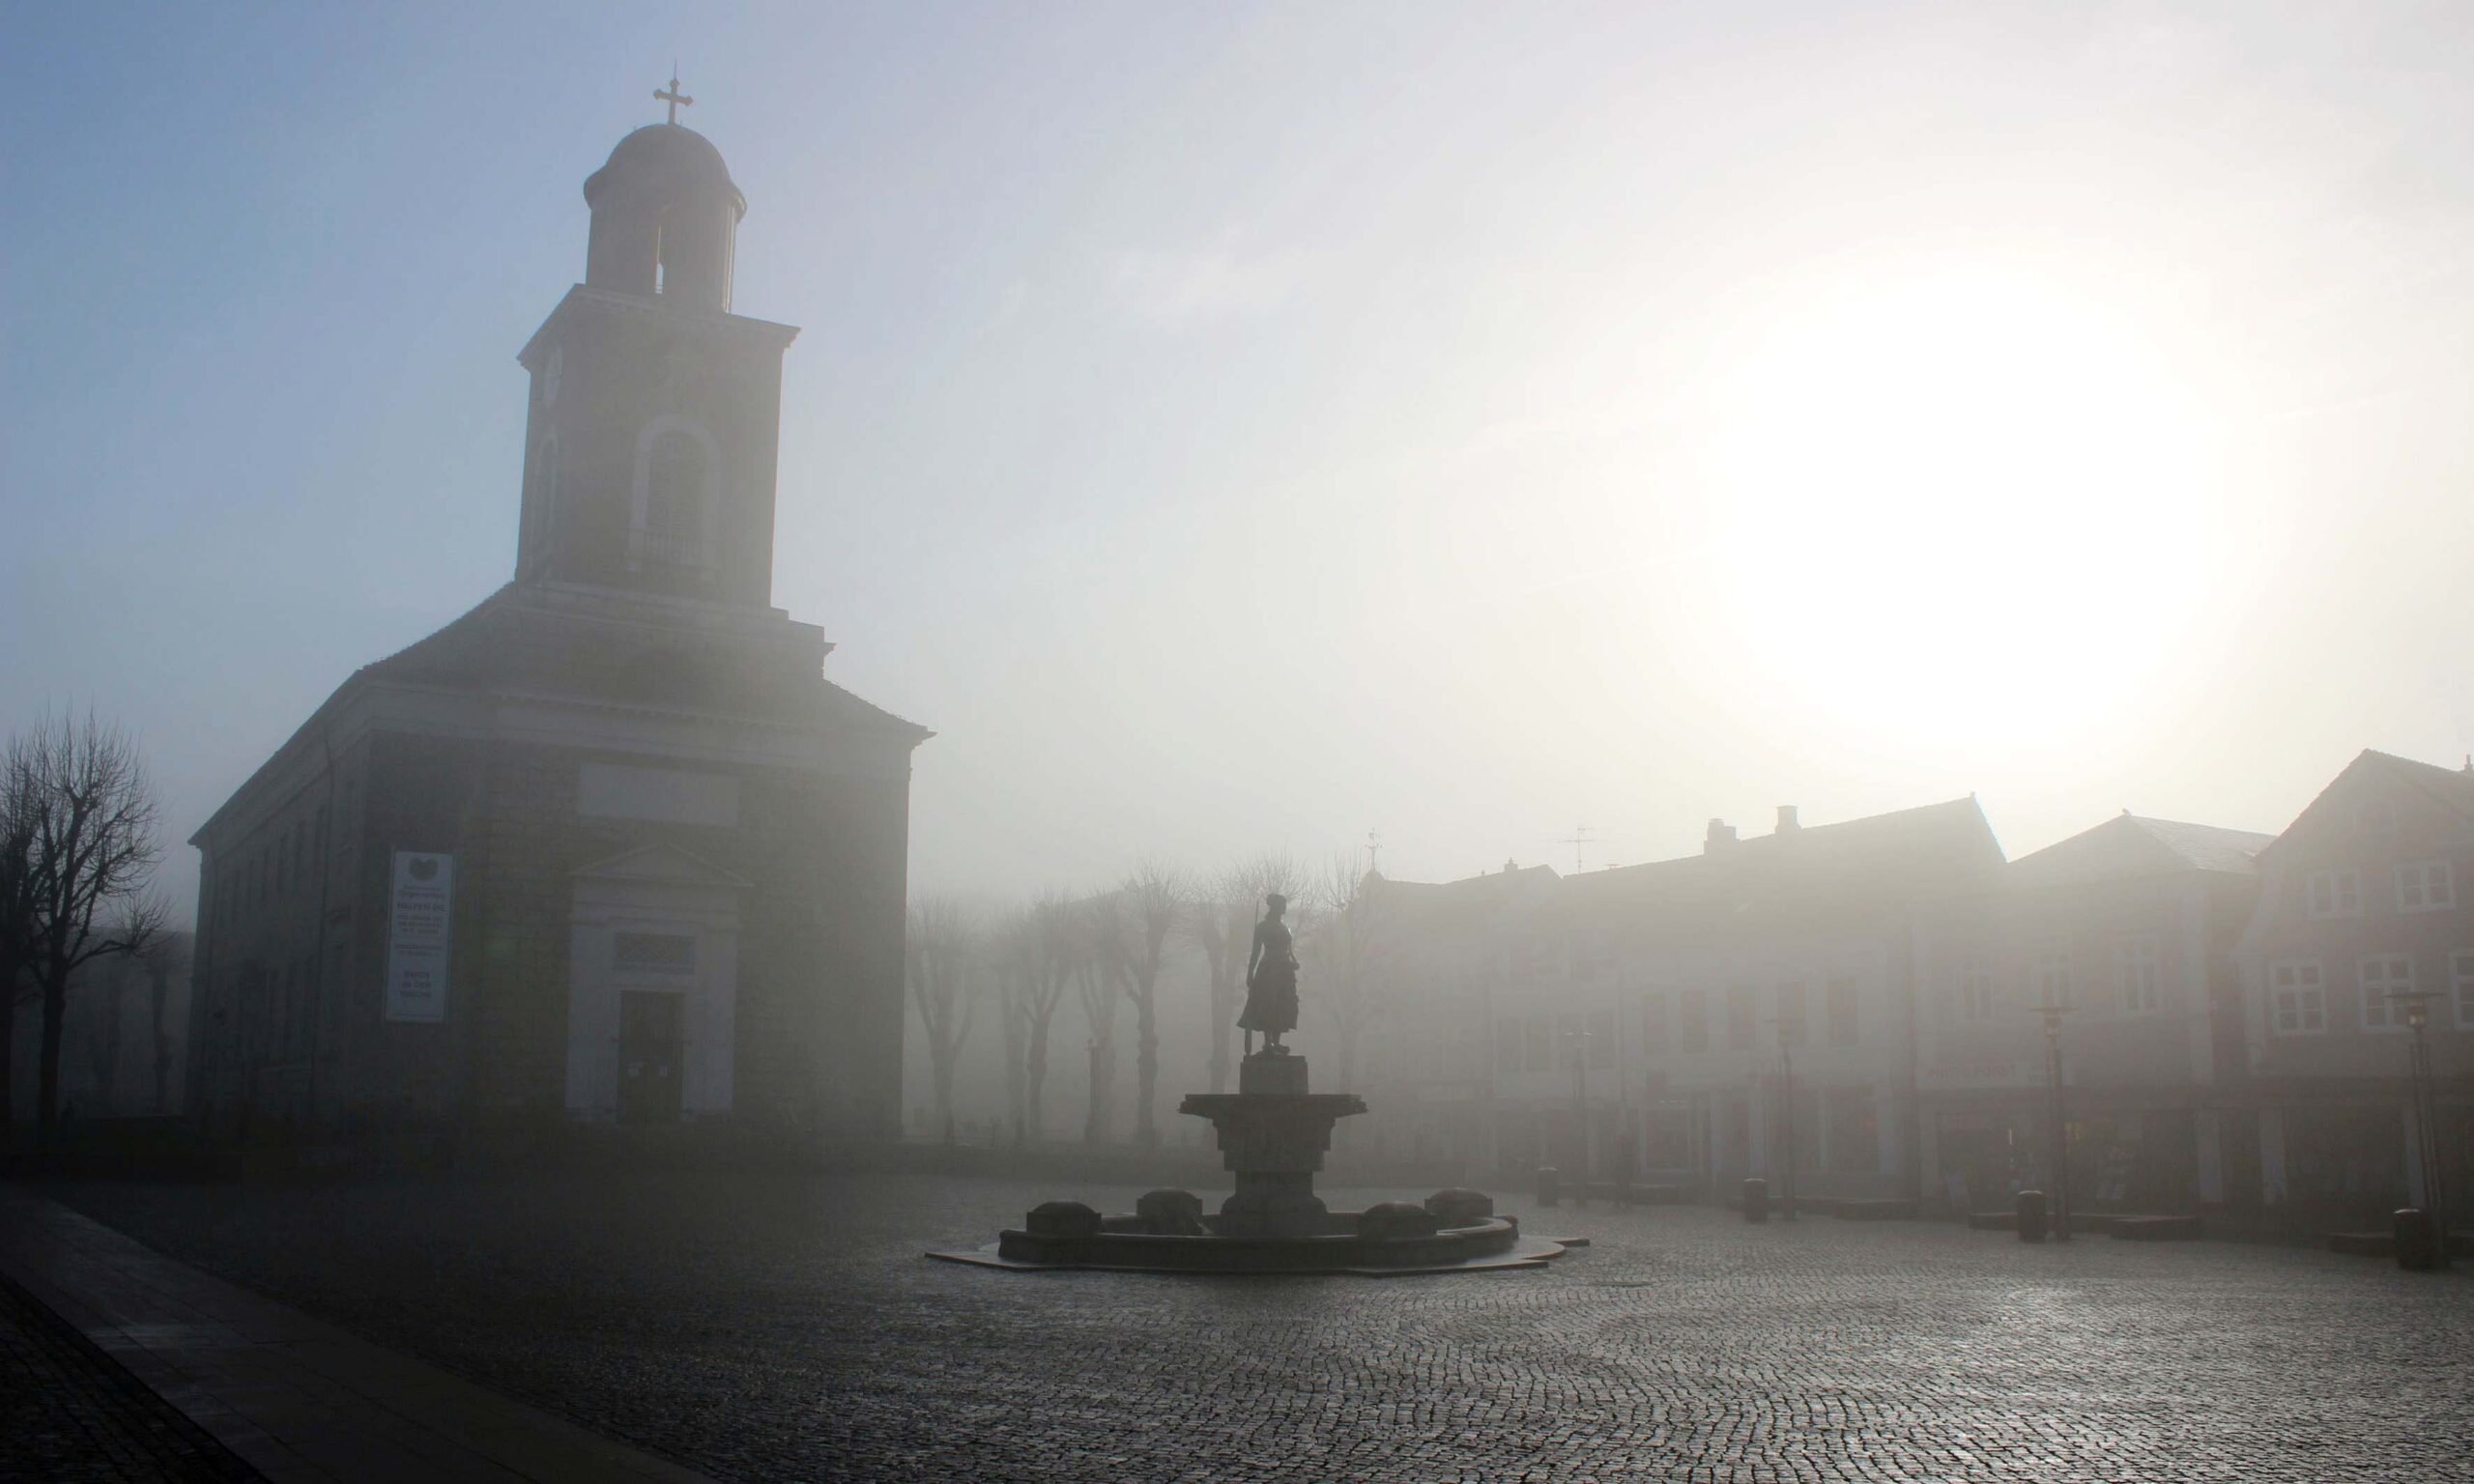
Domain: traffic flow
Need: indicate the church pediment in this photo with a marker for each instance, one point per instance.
(666, 863)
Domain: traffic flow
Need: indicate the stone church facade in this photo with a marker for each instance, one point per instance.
(609, 848)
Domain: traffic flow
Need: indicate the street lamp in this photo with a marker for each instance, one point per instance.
(1787, 1122)
(2417, 1005)
(1579, 1036)
(2052, 1015)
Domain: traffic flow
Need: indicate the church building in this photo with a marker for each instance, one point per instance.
(609, 848)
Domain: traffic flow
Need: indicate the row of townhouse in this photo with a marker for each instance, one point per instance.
(1857, 1000)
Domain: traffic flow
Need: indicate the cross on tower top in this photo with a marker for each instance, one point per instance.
(672, 96)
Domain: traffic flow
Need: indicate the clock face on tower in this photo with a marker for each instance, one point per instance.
(551, 371)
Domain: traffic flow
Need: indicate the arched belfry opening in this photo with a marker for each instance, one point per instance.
(677, 483)
(665, 218)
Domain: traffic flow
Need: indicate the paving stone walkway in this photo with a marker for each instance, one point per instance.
(786, 1327)
(71, 1415)
(141, 1368)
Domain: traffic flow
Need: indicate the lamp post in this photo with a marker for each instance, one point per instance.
(1787, 1024)
(2052, 1015)
(1579, 1036)
(2417, 1004)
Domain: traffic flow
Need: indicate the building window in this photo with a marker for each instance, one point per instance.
(2385, 976)
(1794, 1016)
(1653, 1022)
(2333, 893)
(1740, 1017)
(2425, 886)
(1508, 1043)
(677, 485)
(2297, 998)
(2049, 973)
(2460, 973)
(2138, 975)
(653, 952)
(542, 509)
(1854, 1137)
(1692, 1020)
(1541, 1035)
(1844, 1025)
(1602, 1039)
(1975, 987)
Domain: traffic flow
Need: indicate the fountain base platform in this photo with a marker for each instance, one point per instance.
(1495, 1243)
(1273, 1134)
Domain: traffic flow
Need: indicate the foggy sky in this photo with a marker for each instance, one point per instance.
(1236, 428)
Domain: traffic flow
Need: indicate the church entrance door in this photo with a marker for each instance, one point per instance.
(651, 1052)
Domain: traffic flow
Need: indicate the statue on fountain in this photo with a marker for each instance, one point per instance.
(1271, 981)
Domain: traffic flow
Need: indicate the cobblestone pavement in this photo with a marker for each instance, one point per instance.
(70, 1413)
(784, 1327)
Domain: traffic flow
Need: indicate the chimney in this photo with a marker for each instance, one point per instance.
(1787, 822)
(1721, 835)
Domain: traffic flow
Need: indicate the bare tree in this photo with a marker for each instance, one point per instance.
(90, 851)
(1011, 948)
(944, 967)
(1339, 938)
(162, 961)
(1036, 966)
(18, 815)
(1219, 924)
(1151, 900)
(1099, 966)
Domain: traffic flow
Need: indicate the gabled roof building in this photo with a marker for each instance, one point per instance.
(2366, 909)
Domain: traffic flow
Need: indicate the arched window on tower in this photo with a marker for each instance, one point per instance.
(541, 508)
(676, 470)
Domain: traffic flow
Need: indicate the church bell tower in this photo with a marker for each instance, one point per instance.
(650, 448)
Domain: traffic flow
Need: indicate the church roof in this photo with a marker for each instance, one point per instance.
(667, 153)
(515, 640)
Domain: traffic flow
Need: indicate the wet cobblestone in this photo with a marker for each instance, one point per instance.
(780, 1328)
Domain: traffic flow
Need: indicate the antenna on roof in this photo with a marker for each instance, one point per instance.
(1579, 841)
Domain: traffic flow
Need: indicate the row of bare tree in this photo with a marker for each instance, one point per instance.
(80, 838)
(1108, 947)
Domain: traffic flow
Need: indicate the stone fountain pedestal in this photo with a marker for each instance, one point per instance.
(1273, 1135)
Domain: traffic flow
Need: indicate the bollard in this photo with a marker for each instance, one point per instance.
(1550, 1184)
(2032, 1215)
(2417, 1243)
(1756, 1200)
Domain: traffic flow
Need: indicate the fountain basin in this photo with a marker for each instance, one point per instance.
(1491, 1243)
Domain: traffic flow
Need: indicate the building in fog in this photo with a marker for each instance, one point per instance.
(2368, 894)
(1658, 1017)
(609, 847)
(2131, 925)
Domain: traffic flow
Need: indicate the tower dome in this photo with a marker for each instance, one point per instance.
(665, 218)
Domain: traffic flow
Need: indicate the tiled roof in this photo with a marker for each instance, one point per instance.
(1901, 855)
(2451, 788)
(2129, 846)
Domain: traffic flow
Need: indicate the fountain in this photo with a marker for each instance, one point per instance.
(1273, 1134)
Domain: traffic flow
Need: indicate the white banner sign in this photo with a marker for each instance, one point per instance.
(419, 928)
